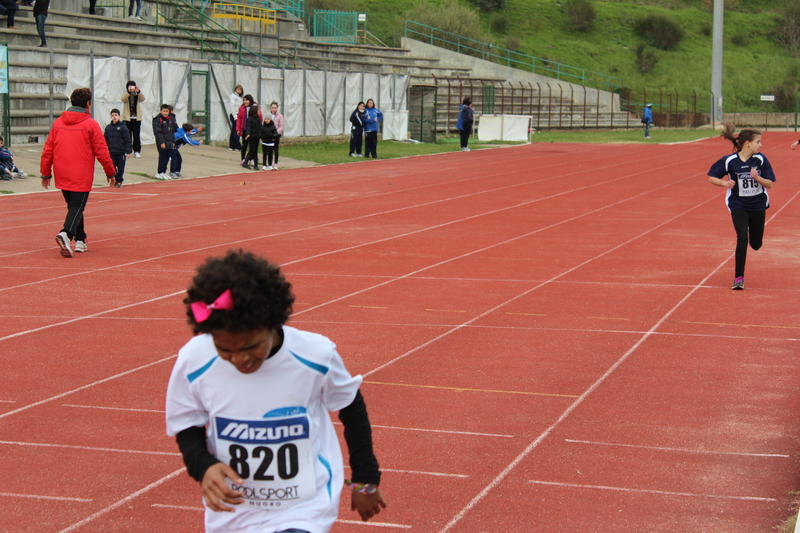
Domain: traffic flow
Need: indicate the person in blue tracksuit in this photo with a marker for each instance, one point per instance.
(183, 135)
(746, 175)
(464, 122)
(372, 118)
(647, 119)
(357, 130)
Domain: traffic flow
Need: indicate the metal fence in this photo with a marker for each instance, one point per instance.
(335, 26)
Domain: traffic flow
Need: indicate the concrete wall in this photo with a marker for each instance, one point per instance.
(760, 120)
(490, 70)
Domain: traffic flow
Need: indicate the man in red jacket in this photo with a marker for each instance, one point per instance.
(74, 142)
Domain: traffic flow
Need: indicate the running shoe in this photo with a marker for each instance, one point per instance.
(266, 168)
(80, 246)
(118, 185)
(137, 155)
(738, 284)
(274, 167)
(63, 241)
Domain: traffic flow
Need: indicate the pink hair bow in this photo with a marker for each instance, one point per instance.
(202, 310)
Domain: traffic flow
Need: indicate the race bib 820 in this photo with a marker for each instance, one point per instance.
(272, 456)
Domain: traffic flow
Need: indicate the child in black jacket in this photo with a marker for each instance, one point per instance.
(164, 128)
(252, 137)
(357, 130)
(269, 136)
(118, 139)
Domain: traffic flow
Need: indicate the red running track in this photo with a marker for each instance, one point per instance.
(547, 333)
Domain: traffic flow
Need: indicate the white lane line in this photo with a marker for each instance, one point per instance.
(88, 448)
(8, 401)
(423, 473)
(114, 408)
(373, 524)
(85, 317)
(39, 497)
(122, 502)
(681, 450)
(104, 380)
(444, 431)
(594, 386)
(179, 507)
(651, 491)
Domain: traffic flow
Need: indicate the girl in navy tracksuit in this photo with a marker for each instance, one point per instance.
(118, 139)
(746, 175)
(357, 130)
(372, 117)
(252, 136)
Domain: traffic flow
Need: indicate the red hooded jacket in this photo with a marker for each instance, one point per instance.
(74, 142)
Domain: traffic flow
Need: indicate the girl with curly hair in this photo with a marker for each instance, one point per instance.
(747, 175)
(248, 402)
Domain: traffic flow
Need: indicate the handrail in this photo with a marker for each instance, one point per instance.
(208, 26)
(511, 58)
(240, 12)
(366, 37)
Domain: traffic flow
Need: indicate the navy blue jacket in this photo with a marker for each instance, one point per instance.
(118, 138)
(357, 120)
(164, 129)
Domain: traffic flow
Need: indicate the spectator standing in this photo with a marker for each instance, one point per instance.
(464, 123)
(138, 10)
(235, 102)
(269, 137)
(75, 140)
(92, 4)
(11, 10)
(118, 139)
(241, 120)
(357, 130)
(164, 128)
(132, 114)
(40, 14)
(252, 136)
(277, 119)
(647, 119)
(372, 118)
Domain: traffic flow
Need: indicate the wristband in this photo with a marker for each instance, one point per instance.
(362, 488)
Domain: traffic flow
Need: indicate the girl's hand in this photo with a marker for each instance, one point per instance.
(754, 173)
(728, 183)
(216, 491)
(367, 505)
(794, 144)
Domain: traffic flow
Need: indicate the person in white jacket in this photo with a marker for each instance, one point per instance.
(235, 102)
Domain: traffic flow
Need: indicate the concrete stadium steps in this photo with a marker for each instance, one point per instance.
(336, 56)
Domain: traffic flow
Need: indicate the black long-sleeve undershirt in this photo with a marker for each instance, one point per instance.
(357, 434)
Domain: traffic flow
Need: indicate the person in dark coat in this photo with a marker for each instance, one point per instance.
(118, 139)
(252, 136)
(164, 128)
(357, 130)
(11, 7)
(269, 138)
(40, 14)
(464, 123)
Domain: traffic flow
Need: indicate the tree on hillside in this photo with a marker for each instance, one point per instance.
(788, 34)
(489, 5)
(580, 14)
(661, 30)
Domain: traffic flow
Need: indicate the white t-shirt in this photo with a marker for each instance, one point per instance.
(271, 426)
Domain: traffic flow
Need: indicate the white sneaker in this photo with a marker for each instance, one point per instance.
(266, 168)
(63, 241)
(163, 176)
(137, 155)
(274, 167)
(80, 246)
(139, 18)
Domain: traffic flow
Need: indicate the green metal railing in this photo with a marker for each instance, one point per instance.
(205, 30)
(335, 26)
(510, 58)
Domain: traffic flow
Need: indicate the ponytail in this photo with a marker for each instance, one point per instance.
(738, 139)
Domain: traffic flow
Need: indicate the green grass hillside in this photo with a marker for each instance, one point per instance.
(754, 63)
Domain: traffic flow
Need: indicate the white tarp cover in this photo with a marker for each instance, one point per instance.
(504, 127)
(314, 103)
